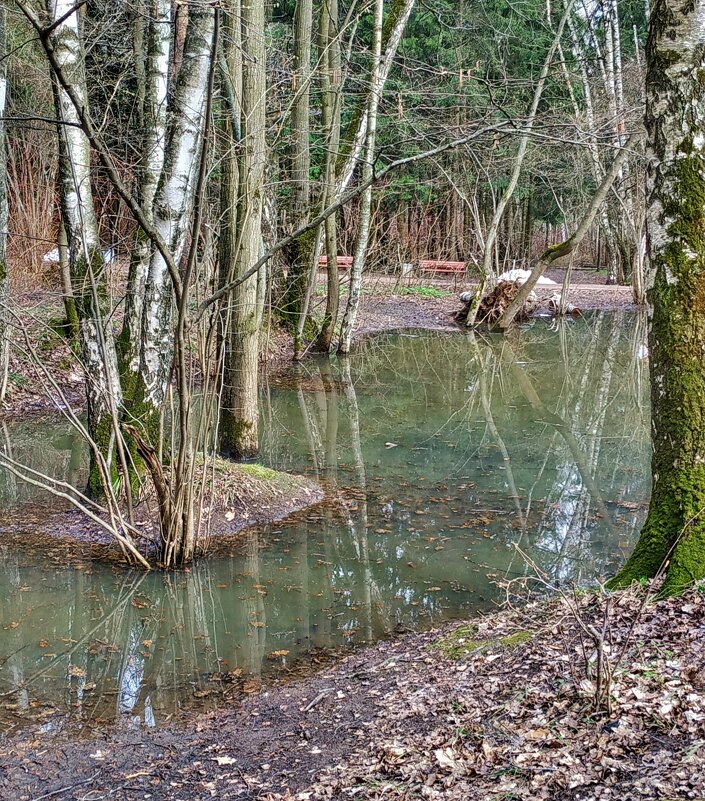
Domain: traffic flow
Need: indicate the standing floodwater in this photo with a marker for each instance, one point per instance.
(446, 458)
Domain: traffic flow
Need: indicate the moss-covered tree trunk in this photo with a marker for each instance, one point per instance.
(674, 532)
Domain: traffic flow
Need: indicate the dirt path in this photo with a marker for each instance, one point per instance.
(497, 709)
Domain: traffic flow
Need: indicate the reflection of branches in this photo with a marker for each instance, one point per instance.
(125, 596)
(370, 587)
(489, 417)
(555, 420)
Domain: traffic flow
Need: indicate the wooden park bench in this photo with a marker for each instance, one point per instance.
(344, 262)
(454, 268)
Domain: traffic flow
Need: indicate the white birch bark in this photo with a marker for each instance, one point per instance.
(597, 168)
(346, 164)
(301, 156)
(346, 171)
(154, 61)
(363, 233)
(85, 257)
(487, 270)
(174, 202)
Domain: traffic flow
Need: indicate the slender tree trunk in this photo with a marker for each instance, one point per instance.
(363, 230)
(173, 204)
(329, 56)
(86, 264)
(307, 248)
(72, 323)
(152, 44)
(300, 252)
(487, 256)
(673, 537)
(353, 139)
(605, 222)
(239, 413)
(4, 272)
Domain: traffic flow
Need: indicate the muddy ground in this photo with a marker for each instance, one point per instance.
(503, 707)
(247, 496)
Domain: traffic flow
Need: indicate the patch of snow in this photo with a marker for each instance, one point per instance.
(520, 277)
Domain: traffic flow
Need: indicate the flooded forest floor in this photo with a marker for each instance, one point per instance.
(502, 707)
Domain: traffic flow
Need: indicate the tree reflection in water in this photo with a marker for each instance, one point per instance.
(438, 453)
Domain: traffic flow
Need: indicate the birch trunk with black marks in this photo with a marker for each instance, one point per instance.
(363, 230)
(673, 537)
(4, 272)
(88, 273)
(346, 156)
(242, 247)
(353, 140)
(173, 204)
(152, 46)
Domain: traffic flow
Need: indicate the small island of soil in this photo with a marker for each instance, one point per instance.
(237, 497)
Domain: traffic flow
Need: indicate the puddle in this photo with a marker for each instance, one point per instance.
(448, 459)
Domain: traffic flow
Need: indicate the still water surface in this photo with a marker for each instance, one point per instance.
(440, 454)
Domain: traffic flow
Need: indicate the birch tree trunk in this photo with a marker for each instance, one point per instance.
(673, 537)
(172, 208)
(363, 231)
(4, 272)
(152, 58)
(598, 172)
(353, 140)
(488, 273)
(350, 147)
(239, 413)
(86, 264)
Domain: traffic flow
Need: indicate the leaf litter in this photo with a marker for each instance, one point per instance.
(502, 707)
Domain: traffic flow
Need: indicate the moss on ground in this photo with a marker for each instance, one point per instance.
(463, 642)
(258, 471)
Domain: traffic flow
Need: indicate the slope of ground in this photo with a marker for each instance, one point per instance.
(502, 707)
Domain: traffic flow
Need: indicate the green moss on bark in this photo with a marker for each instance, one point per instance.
(102, 433)
(236, 441)
(673, 538)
